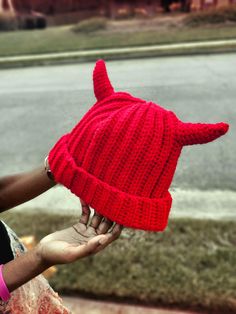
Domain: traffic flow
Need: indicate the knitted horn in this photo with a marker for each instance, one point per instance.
(101, 82)
(200, 133)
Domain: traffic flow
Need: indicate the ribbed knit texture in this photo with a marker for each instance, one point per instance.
(121, 157)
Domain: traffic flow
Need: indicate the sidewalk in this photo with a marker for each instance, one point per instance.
(85, 306)
(121, 53)
(213, 204)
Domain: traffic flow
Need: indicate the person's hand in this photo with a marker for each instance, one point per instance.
(80, 240)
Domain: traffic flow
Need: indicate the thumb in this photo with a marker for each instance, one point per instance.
(89, 248)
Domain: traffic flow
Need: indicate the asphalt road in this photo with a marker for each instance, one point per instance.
(38, 105)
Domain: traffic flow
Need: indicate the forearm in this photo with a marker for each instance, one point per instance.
(20, 188)
(22, 269)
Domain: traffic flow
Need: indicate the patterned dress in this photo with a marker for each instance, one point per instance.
(34, 297)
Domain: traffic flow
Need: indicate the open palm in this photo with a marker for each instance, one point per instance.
(79, 240)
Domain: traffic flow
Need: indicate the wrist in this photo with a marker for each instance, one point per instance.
(22, 269)
(40, 257)
(48, 170)
(35, 257)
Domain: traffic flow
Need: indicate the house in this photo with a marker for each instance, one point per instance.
(75, 10)
(108, 8)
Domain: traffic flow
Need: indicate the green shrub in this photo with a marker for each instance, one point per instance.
(90, 25)
(8, 22)
(212, 16)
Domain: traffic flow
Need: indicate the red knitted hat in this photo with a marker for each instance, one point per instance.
(121, 157)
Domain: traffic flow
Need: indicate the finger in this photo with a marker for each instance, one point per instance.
(116, 231)
(96, 220)
(110, 237)
(85, 213)
(104, 226)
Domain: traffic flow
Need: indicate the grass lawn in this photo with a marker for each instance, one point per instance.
(59, 39)
(190, 265)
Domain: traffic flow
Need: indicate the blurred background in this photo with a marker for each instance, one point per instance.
(179, 54)
(31, 14)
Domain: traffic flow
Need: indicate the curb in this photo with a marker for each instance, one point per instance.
(195, 204)
(218, 46)
(86, 306)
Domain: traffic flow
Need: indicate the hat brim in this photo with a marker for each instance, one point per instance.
(128, 210)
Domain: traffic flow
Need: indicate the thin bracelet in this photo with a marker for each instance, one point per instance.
(4, 292)
(47, 169)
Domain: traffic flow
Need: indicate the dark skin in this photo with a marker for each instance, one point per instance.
(20, 188)
(88, 236)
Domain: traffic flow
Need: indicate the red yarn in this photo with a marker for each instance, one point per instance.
(121, 157)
